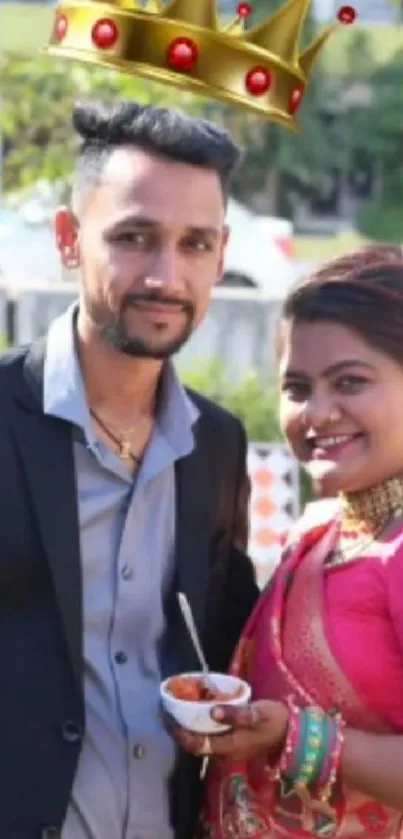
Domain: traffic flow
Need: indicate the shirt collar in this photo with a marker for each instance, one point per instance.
(65, 397)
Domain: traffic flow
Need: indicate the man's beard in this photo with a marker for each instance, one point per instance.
(116, 334)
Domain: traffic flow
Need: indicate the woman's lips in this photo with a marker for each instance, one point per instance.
(332, 448)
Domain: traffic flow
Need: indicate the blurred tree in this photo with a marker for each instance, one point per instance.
(278, 162)
(254, 400)
(37, 100)
(398, 4)
(381, 128)
(38, 95)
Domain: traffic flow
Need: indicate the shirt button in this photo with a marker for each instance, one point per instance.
(127, 573)
(72, 732)
(138, 752)
(120, 657)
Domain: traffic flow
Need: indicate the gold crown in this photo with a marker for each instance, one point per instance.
(182, 44)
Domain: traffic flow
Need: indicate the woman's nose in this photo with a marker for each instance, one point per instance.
(320, 412)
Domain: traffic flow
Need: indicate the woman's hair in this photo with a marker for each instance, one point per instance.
(362, 291)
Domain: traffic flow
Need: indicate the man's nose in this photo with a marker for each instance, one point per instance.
(164, 270)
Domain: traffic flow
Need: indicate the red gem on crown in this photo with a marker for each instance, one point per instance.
(347, 15)
(296, 99)
(105, 33)
(61, 27)
(244, 10)
(258, 81)
(182, 55)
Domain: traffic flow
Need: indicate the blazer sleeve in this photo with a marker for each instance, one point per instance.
(241, 571)
(238, 590)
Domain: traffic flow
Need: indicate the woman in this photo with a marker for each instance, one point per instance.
(319, 751)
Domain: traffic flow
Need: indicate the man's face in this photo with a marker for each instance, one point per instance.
(150, 244)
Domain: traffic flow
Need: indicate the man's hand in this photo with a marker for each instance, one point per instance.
(256, 729)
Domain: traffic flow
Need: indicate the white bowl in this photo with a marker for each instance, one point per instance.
(196, 716)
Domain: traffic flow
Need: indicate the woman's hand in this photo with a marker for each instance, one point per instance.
(258, 728)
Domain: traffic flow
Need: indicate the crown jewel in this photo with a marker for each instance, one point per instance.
(182, 44)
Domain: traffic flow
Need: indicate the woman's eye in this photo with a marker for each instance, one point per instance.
(298, 391)
(349, 384)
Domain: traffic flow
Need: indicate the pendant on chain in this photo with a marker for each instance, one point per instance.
(125, 450)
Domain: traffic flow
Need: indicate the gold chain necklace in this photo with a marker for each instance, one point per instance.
(370, 507)
(343, 556)
(125, 448)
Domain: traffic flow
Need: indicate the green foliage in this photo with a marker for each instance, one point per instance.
(254, 401)
(382, 223)
(281, 161)
(359, 55)
(380, 127)
(38, 95)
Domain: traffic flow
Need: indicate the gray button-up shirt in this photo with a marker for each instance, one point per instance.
(127, 532)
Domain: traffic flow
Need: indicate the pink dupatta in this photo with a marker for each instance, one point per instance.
(284, 651)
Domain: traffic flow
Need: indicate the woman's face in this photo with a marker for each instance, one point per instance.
(341, 407)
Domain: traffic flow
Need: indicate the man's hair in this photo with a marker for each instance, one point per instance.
(163, 132)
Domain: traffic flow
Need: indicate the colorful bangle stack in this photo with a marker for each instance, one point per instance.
(312, 751)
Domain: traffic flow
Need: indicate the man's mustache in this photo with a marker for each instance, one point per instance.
(157, 297)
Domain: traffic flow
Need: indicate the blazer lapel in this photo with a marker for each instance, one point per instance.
(193, 537)
(46, 450)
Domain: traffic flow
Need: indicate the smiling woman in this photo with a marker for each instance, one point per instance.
(320, 751)
(341, 407)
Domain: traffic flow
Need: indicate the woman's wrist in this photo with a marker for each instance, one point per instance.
(277, 746)
(311, 750)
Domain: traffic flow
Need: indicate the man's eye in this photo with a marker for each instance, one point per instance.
(195, 244)
(133, 238)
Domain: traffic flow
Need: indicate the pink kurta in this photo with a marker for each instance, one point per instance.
(331, 637)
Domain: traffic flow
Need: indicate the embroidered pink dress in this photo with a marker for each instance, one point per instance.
(328, 636)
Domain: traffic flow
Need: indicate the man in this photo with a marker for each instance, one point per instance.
(118, 489)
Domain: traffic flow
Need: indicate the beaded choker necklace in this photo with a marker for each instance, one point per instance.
(372, 509)
(364, 515)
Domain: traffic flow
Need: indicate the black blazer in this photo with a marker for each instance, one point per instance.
(42, 715)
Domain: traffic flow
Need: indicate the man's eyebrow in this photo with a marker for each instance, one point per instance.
(147, 223)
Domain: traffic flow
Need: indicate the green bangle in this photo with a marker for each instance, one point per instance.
(325, 747)
(313, 752)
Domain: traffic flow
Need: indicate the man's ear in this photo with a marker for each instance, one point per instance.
(66, 233)
(223, 246)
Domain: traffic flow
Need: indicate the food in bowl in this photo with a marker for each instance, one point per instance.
(191, 689)
(186, 699)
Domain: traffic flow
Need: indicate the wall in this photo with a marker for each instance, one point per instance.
(239, 328)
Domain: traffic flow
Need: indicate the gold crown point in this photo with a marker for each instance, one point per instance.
(134, 5)
(237, 27)
(308, 57)
(281, 34)
(201, 13)
(180, 42)
(346, 15)
(154, 7)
